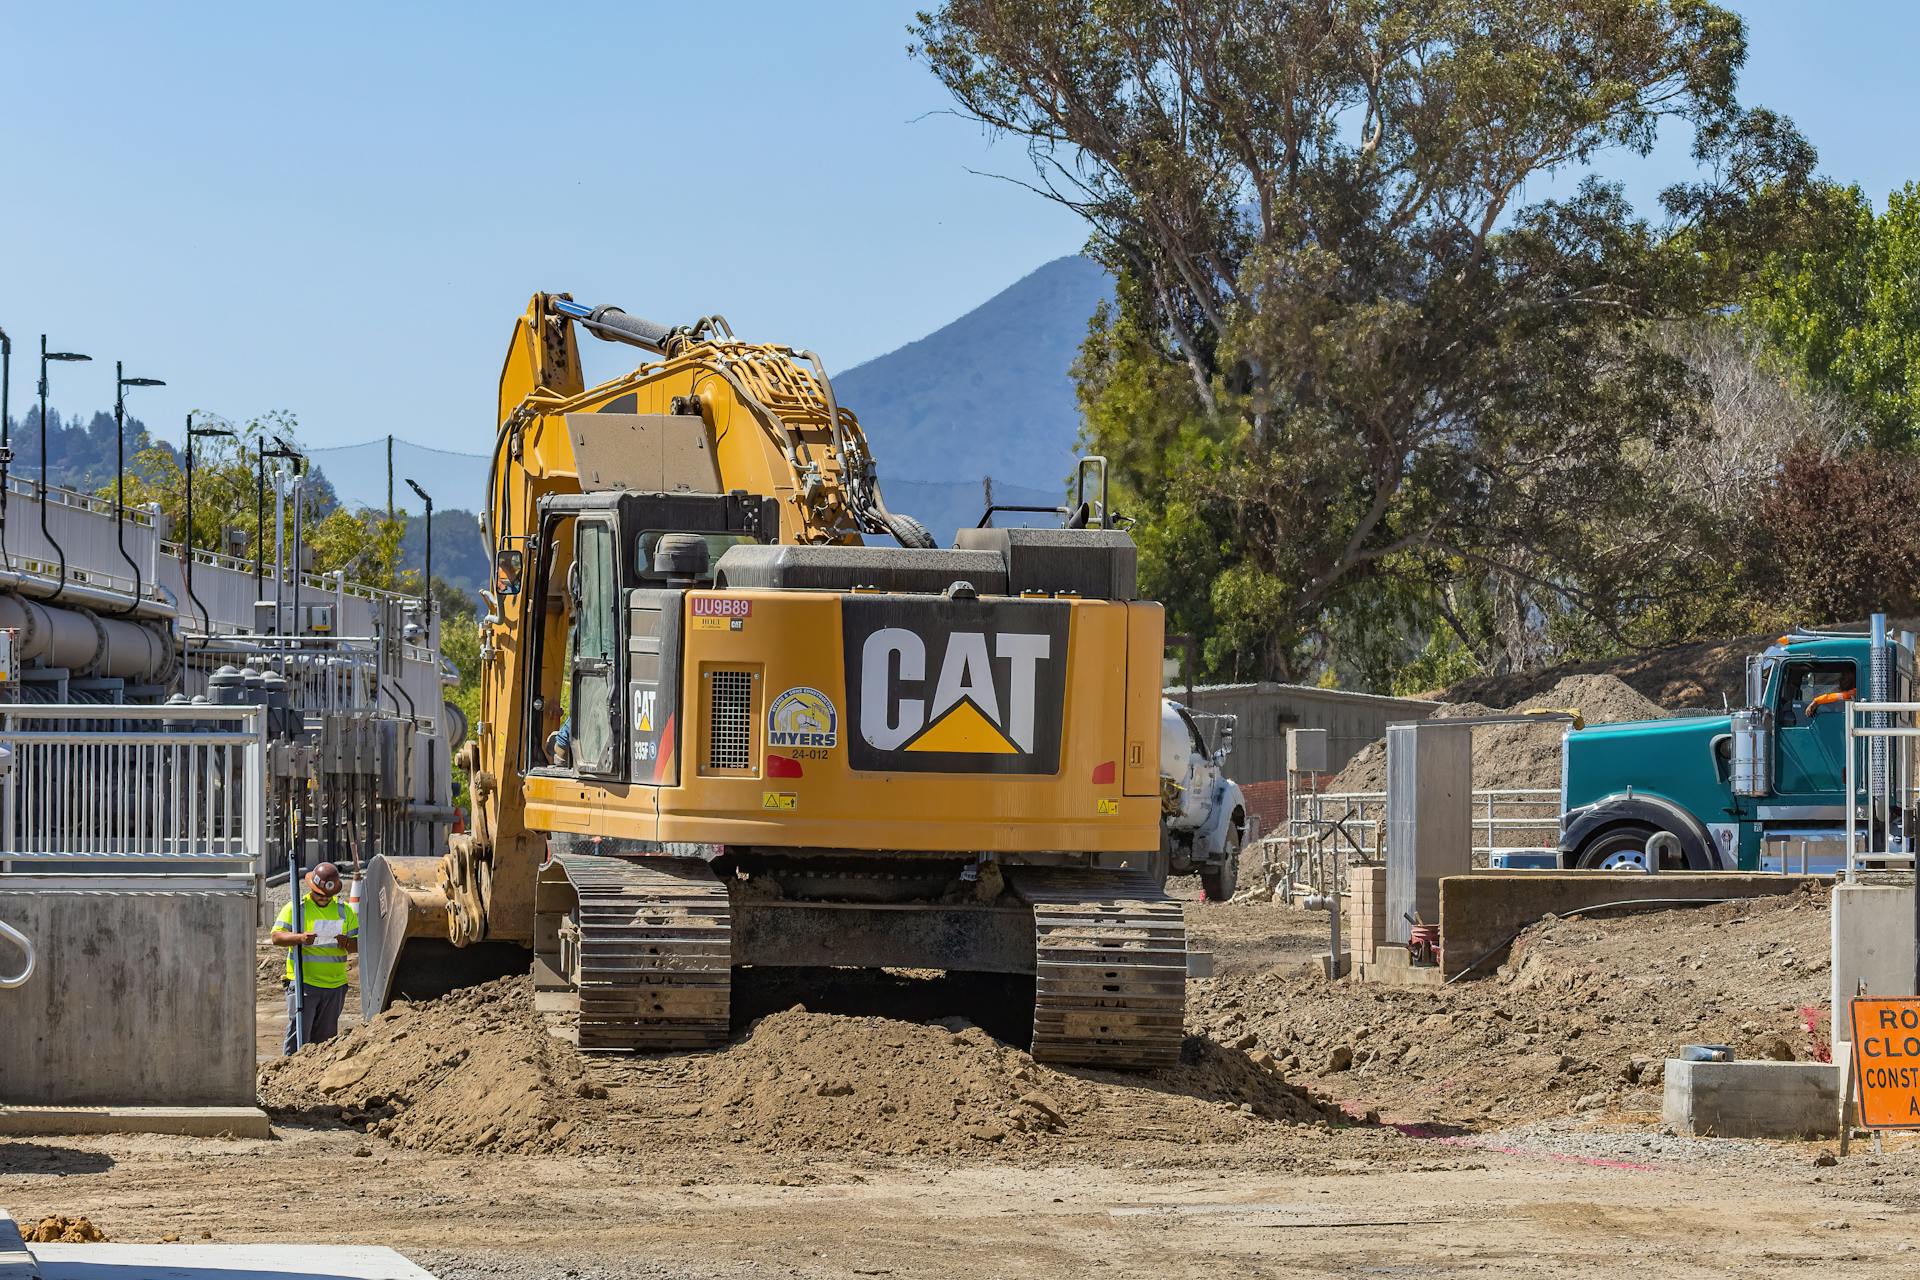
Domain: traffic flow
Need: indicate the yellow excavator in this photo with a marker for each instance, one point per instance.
(719, 729)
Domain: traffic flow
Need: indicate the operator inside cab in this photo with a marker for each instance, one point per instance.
(1821, 685)
(559, 742)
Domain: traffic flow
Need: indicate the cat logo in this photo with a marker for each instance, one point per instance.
(803, 717)
(955, 686)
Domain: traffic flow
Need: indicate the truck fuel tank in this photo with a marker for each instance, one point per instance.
(1752, 764)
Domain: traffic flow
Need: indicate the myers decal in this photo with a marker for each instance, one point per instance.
(803, 717)
(954, 686)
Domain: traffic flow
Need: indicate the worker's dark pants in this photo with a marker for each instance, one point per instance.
(320, 1011)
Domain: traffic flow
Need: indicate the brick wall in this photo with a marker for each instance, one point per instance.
(1366, 906)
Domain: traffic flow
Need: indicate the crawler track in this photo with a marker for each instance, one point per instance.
(1110, 954)
(655, 958)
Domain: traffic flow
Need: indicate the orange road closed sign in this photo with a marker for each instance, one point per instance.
(1886, 1062)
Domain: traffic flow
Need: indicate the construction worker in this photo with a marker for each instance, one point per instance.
(330, 932)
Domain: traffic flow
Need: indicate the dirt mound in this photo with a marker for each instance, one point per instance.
(811, 1081)
(58, 1228)
(1516, 755)
(471, 1071)
(479, 1071)
(1582, 1018)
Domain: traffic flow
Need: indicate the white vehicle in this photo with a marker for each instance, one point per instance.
(1203, 819)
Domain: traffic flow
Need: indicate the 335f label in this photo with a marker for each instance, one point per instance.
(955, 686)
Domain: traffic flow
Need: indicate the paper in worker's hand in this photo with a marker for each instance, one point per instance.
(326, 932)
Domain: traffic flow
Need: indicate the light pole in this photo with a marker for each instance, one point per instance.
(426, 592)
(196, 433)
(40, 491)
(6, 434)
(282, 450)
(120, 384)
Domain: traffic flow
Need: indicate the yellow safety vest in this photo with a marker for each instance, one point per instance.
(320, 966)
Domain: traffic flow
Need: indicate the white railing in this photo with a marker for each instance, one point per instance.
(1880, 811)
(1329, 827)
(128, 788)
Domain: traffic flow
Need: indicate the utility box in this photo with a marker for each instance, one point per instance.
(1429, 818)
(1306, 751)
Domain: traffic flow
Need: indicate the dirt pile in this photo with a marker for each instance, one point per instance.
(1516, 756)
(58, 1228)
(809, 1081)
(471, 1071)
(1582, 1018)
(479, 1071)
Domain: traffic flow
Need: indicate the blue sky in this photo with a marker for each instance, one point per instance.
(339, 209)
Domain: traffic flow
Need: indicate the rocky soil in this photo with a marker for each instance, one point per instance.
(1579, 1021)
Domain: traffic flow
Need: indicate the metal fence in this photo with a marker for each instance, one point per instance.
(1324, 830)
(1882, 786)
(324, 676)
(153, 789)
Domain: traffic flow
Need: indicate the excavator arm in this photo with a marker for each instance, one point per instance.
(767, 415)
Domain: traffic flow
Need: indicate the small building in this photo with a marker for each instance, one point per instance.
(1267, 710)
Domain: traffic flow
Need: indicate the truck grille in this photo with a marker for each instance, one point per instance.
(729, 720)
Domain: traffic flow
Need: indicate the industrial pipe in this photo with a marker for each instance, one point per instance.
(85, 643)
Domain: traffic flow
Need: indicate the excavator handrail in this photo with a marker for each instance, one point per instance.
(25, 943)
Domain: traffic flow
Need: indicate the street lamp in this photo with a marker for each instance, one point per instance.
(120, 384)
(40, 490)
(261, 454)
(426, 593)
(285, 451)
(196, 433)
(6, 434)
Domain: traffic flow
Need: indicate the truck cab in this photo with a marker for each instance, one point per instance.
(1762, 788)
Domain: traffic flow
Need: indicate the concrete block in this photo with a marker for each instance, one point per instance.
(15, 1262)
(141, 997)
(1872, 929)
(1480, 913)
(1752, 1099)
(192, 1122)
(1393, 966)
(224, 1262)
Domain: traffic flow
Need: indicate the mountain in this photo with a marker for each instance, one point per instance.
(990, 394)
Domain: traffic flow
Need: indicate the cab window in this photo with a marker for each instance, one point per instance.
(1814, 688)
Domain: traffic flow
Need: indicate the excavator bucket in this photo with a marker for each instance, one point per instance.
(405, 953)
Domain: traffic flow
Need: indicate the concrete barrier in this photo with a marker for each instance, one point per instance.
(1752, 1099)
(143, 994)
(1872, 945)
(1481, 913)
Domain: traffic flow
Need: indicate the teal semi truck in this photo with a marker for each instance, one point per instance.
(1762, 788)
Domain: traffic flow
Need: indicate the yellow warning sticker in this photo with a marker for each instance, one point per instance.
(781, 801)
(1107, 807)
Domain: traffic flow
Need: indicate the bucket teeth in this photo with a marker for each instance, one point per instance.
(1110, 957)
(656, 953)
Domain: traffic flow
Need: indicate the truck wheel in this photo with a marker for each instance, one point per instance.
(1622, 848)
(1220, 880)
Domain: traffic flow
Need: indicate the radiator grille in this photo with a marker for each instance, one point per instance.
(730, 720)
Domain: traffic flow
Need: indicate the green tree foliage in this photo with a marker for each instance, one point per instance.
(1345, 362)
(1844, 303)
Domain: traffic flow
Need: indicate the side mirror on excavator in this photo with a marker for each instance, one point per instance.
(506, 573)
